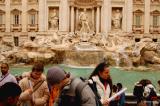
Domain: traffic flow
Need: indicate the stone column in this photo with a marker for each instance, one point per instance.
(124, 17)
(106, 16)
(46, 15)
(147, 16)
(72, 19)
(129, 15)
(109, 5)
(64, 16)
(8, 17)
(97, 19)
(41, 15)
(24, 16)
(93, 19)
(77, 18)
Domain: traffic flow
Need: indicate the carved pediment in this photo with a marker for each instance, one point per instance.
(155, 12)
(155, 1)
(16, 11)
(32, 11)
(32, 1)
(2, 12)
(138, 1)
(138, 12)
(2, 1)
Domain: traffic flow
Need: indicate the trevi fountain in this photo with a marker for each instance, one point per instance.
(84, 33)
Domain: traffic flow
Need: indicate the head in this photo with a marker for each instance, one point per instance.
(57, 76)
(158, 82)
(37, 70)
(119, 86)
(145, 82)
(114, 88)
(102, 71)
(10, 93)
(4, 68)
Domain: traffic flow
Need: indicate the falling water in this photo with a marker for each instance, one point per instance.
(116, 58)
(121, 51)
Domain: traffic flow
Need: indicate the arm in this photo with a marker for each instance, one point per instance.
(44, 99)
(26, 92)
(14, 80)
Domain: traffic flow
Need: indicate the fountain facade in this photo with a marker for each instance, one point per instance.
(80, 32)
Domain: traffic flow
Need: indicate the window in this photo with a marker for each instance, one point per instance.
(155, 20)
(16, 41)
(138, 20)
(16, 19)
(32, 38)
(1, 19)
(1, 1)
(32, 19)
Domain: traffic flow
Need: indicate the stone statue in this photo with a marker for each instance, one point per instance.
(116, 19)
(84, 22)
(53, 20)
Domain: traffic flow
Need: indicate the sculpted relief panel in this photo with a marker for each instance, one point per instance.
(53, 21)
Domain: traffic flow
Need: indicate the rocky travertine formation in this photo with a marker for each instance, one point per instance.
(118, 48)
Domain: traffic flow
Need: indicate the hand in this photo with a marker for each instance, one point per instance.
(30, 91)
(106, 103)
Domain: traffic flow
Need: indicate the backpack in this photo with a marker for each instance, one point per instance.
(152, 95)
(75, 99)
(93, 88)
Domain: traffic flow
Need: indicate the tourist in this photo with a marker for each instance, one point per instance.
(68, 91)
(6, 76)
(103, 82)
(138, 92)
(149, 93)
(121, 101)
(9, 94)
(34, 87)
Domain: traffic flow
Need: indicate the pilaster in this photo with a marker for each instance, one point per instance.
(41, 21)
(129, 15)
(147, 16)
(24, 15)
(8, 16)
(64, 16)
(72, 19)
(97, 19)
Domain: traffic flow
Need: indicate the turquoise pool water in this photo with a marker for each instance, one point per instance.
(127, 78)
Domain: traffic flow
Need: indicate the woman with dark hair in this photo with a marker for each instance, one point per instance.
(101, 77)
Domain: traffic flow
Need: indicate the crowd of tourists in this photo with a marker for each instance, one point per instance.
(59, 88)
